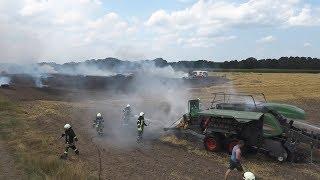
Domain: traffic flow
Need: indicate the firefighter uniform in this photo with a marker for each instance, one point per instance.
(70, 138)
(140, 126)
(126, 114)
(99, 125)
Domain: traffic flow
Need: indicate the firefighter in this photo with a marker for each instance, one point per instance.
(126, 114)
(97, 119)
(70, 138)
(99, 124)
(140, 126)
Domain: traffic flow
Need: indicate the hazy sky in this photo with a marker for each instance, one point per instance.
(75, 30)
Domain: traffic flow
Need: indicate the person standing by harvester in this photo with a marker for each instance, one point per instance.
(70, 139)
(235, 160)
(140, 126)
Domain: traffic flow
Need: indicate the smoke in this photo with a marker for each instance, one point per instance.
(166, 72)
(4, 80)
(162, 104)
(36, 71)
(159, 92)
(40, 72)
(84, 69)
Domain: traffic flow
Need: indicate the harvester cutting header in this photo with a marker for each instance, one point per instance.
(273, 128)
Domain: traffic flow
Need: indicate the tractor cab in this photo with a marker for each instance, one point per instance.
(194, 107)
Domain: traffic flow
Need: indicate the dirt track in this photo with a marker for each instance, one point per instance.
(122, 158)
(154, 159)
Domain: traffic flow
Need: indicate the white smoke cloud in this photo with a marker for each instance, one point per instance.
(4, 80)
(150, 69)
(86, 70)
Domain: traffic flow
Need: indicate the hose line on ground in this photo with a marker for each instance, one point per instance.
(99, 156)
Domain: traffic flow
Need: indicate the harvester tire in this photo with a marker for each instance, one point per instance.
(282, 158)
(212, 143)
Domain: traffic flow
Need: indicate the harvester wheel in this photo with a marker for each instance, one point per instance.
(282, 158)
(230, 144)
(212, 143)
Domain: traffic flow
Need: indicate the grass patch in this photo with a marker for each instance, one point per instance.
(33, 148)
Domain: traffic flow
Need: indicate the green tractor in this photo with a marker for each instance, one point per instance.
(265, 127)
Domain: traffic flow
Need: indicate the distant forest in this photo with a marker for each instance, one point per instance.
(249, 63)
(283, 63)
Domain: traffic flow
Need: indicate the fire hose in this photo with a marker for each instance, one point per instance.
(166, 129)
(99, 156)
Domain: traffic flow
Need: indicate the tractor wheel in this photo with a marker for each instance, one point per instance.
(282, 158)
(230, 144)
(212, 143)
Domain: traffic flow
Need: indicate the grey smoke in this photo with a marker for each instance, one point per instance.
(157, 91)
(167, 71)
(36, 71)
(4, 80)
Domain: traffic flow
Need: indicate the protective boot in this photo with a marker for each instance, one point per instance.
(77, 152)
(64, 156)
(139, 138)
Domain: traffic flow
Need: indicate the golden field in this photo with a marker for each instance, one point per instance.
(276, 86)
(301, 89)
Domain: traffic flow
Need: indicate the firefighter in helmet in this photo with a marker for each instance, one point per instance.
(140, 126)
(98, 123)
(97, 119)
(127, 114)
(70, 139)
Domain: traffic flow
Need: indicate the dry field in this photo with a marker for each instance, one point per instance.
(32, 120)
(302, 89)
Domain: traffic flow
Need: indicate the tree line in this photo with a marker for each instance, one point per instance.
(249, 63)
(290, 63)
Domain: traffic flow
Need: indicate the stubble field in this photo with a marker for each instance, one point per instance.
(32, 120)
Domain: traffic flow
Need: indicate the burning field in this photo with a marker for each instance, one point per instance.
(32, 120)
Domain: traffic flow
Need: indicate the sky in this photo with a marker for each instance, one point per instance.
(218, 30)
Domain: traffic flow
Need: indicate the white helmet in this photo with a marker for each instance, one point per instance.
(128, 105)
(248, 176)
(141, 114)
(99, 115)
(67, 126)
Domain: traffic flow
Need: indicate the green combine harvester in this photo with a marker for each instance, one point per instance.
(265, 127)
